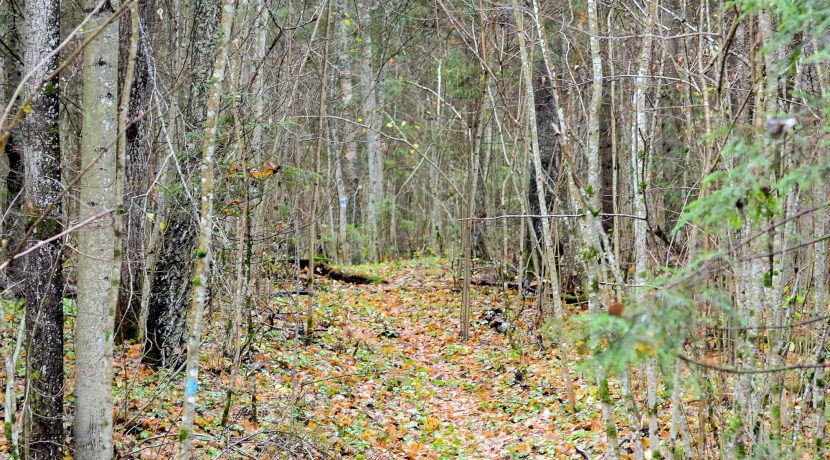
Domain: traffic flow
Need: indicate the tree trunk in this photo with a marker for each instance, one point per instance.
(201, 274)
(97, 268)
(170, 290)
(639, 181)
(346, 163)
(371, 106)
(43, 415)
(532, 119)
(138, 147)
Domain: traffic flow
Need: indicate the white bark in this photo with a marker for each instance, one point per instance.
(349, 149)
(639, 183)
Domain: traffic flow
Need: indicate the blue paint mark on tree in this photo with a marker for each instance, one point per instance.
(190, 387)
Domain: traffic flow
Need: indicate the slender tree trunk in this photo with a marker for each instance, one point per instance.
(98, 263)
(435, 233)
(315, 192)
(11, 346)
(593, 231)
(43, 415)
(639, 182)
(346, 162)
(371, 108)
(204, 251)
(233, 346)
(5, 91)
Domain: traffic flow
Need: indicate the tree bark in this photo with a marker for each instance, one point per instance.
(371, 106)
(201, 274)
(138, 147)
(98, 261)
(43, 415)
(170, 290)
(640, 181)
(346, 164)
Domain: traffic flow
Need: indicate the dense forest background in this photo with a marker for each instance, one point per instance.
(414, 228)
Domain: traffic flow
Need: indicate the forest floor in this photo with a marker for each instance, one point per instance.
(385, 376)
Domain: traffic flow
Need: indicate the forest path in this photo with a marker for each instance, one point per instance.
(387, 376)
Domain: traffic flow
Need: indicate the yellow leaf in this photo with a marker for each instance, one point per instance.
(389, 125)
(27, 109)
(259, 175)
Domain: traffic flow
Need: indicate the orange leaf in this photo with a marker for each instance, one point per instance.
(413, 448)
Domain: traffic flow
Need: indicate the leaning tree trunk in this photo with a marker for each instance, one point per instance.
(172, 274)
(43, 415)
(203, 252)
(98, 250)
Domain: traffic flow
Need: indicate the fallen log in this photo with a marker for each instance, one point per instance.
(329, 271)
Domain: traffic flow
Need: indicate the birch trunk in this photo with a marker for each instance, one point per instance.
(345, 163)
(592, 229)
(639, 184)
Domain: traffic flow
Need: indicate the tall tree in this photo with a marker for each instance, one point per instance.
(43, 422)
(372, 107)
(640, 174)
(346, 180)
(98, 260)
